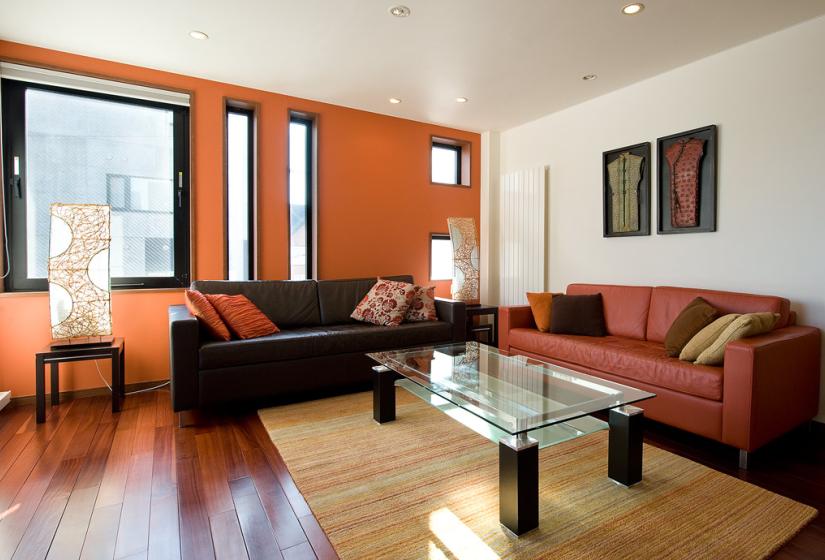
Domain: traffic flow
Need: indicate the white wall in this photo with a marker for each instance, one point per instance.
(768, 99)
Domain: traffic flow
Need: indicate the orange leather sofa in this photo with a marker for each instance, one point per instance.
(769, 384)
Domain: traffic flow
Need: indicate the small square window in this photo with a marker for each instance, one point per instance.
(441, 257)
(449, 162)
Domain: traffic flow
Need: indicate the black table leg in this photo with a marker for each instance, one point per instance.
(624, 459)
(123, 372)
(117, 381)
(383, 394)
(40, 386)
(518, 483)
(55, 386)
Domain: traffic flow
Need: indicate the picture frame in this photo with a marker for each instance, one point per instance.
(690, 205)
(625, 210)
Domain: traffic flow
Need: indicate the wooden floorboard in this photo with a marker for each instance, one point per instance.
(89, 483)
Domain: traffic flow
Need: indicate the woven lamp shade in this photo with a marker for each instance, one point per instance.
(465, 285)
(79, 289)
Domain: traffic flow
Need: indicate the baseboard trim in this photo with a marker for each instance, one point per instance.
(83, 393)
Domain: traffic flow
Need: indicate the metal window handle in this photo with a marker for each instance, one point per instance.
(180, 189)
(16, 181)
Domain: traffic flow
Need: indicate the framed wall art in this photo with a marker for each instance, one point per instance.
(687, 181)
(626, 184)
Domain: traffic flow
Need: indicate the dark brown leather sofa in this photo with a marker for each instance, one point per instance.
(319, 348)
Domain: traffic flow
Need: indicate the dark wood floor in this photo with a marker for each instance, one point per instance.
(92, 484)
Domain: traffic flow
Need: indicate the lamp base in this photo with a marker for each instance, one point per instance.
(83, 342)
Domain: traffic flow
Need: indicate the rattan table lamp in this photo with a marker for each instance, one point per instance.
(79, 283)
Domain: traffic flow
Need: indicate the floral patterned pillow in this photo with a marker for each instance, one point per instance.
(422, 307)
(385, 304)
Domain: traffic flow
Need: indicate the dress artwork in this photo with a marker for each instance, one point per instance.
(684, 158)
(624, 174)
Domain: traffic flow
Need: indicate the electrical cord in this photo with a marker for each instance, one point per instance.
(155, 388)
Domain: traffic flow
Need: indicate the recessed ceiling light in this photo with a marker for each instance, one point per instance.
(589, 77)
(400, 11)
(633, 9)
(395, 100)
(461, 100)
(199, 35)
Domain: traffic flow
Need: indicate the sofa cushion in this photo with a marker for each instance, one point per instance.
(667, 302)
(385, 304)
(242, 316)
(705, 337)
(337, 298)
(750, 324)
(208, 317)
(582, 315)
(361, 337)
(625, 307)
(626, 357)
(287, 303)
(286, 345)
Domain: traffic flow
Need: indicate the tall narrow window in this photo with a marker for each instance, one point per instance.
(441, 256)
(74, 146)
(239, 193)
(300, 198)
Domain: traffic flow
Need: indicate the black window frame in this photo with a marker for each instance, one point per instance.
(14, 144)
(458, 156)
(309, 123)
(250, 139)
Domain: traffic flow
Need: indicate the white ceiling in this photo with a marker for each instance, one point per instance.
(514, 59)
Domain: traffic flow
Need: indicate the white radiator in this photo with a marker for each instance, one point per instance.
(523, 234)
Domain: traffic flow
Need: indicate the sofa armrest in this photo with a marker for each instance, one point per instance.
(770, 385)
(184, 341)
(515, 317)
(454, 312)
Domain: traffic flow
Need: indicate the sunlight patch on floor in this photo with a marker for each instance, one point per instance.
(458, 538)
(9, 511)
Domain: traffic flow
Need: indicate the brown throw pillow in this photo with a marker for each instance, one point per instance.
(696, 316)
(581, 315)
(200, 307)
(541, 304)
(242, 316)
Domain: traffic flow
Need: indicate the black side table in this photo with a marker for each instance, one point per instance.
(116, 351)
(490, 329)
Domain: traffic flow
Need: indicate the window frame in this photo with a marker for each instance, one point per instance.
(14, 144)
(251, 114)
(433, 237)
(309, 121)
(464, 154)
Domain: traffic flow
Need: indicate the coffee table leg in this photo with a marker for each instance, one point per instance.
(383, 394)
(518, 483)
(624, 459)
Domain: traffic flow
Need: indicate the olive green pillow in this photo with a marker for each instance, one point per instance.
(744, 326)
(697, 315)
(705, 337)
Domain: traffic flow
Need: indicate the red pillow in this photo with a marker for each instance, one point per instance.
(242, 316)
(200, 307)
(422, 307)
(385, 304)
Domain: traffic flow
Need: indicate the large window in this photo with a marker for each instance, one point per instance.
(441, 256)
(71, 146)
(239, 193)
(300, 197)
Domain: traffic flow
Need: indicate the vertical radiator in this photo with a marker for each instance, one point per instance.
(523, 234)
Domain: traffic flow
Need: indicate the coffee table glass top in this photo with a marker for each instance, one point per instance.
(514, 393)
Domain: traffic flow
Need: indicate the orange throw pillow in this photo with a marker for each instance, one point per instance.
(541, 304)
(199, 306)
(242, 316)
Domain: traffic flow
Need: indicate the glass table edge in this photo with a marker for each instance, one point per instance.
(561, 420)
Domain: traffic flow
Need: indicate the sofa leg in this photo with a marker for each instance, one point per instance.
(744, 459)
(185, 418)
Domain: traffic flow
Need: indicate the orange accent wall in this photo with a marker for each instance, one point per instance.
(376, 209)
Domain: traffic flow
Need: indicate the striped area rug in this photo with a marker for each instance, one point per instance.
(424, 486)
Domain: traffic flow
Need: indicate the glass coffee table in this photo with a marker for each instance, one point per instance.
(521, 403)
